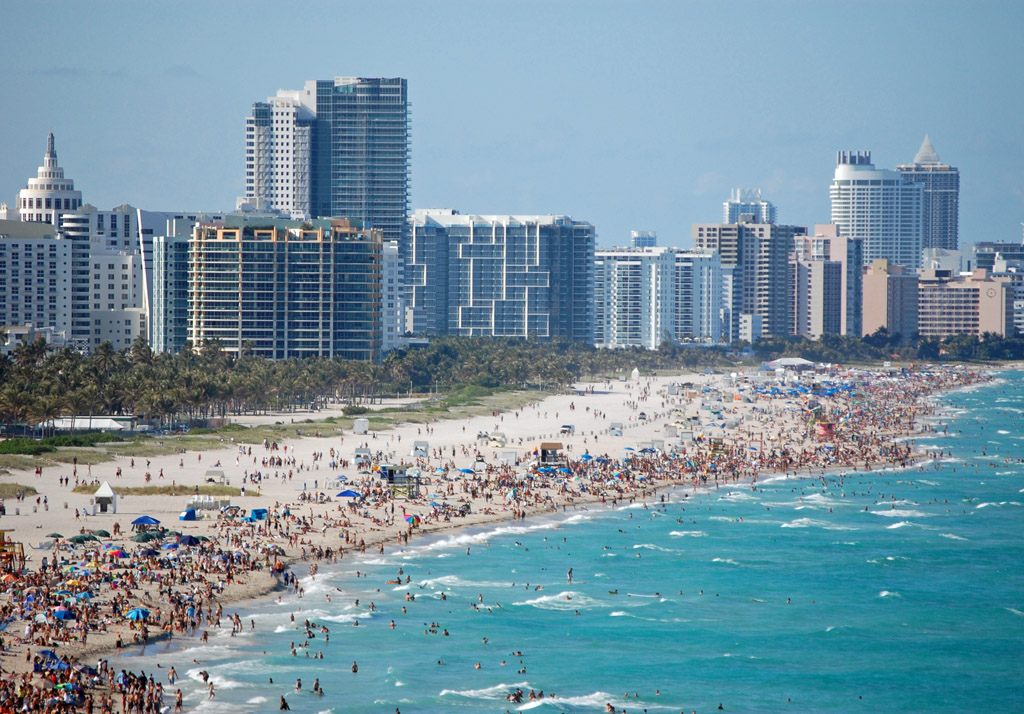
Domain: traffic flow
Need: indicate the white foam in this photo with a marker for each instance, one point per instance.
(565, 600)
(902, 513)
(727, 561)
(690, 534)
(951, 536)
(901, 524)
(498, 691)
(888, 593)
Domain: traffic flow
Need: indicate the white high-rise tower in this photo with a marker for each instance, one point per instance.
(49, 194)
(881, 207)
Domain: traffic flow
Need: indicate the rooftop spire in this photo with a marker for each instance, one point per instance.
(926, 154)
(50, 160)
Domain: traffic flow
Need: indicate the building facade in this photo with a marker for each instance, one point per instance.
(759, 252)
(890, 299)
(968, 304)
(283, 289)
(813, 302)
(35, 277)
(501, 275)
(334, 148)
(747, 202)
(47, 196)
(880, 207)
(940, 198)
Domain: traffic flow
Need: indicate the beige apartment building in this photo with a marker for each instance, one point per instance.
(967, 304)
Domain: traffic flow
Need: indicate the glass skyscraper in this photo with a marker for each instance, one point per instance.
(336, 148)
(940, 200)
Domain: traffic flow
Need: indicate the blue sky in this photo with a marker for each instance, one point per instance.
(627, 114)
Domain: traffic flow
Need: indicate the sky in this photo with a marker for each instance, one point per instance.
(630, 115)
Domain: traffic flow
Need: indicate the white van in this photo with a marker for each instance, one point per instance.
(567, 429)
(615, 429)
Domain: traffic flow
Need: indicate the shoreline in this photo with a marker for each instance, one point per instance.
(258, 584)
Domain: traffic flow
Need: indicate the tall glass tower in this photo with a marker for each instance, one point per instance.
(881, 207)
(940, 202)
(337, 147)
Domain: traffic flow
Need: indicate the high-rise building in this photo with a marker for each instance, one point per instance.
(501, 275)
(969, 304)
(35, 276)
(881, 207)
(334, 148)
(890, 299)
(47, 196)
(819, 284)
(643, 239)
(647, 296)
(746, 202)
(940, 200)
(759, 252)
(286, 289)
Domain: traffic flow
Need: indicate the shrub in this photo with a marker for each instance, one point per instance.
(355, 410)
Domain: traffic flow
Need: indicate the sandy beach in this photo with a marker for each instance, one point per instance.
(735, 426)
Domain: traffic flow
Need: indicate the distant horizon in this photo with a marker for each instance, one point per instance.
(631, 117)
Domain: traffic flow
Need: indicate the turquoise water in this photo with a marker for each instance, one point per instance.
(898, 591)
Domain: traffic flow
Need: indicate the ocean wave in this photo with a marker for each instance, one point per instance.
(565, 600)
(901, 524)
(902, 513)
(727, 561)
(691, 534)
(811, 522)
(256, 700)
(998, 504)
(498, 691)
(1015, 611)
(889, 593)
(951, 536)
(454, 581)
(652, 546)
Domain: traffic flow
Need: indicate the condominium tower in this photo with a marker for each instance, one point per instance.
(285, 289)
(940, 199)
(333, 148)
(501, 275)
(647, 296)
(881, 207)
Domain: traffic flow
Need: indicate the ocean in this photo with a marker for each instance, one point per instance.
(894, 591)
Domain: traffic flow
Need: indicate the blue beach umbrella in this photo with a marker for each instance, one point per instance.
(348, 493)
(145, 521)
(138, 613)
(467, 471)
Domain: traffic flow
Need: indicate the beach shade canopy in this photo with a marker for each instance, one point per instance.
(83, 538)
(102, 533)
(145, 521)
(348, 493)
(145, 537)
(149, 552)
(54, 535)
(64, 614)
(189, 514)
(48, 654)
(188, 540)
(138, 613)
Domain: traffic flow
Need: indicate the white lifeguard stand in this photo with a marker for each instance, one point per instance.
(104, 499)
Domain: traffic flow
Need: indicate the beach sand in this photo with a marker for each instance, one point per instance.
(330, 522)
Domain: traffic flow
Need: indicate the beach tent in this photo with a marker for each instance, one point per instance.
(189, 514)
(105, 498)
(259, 514)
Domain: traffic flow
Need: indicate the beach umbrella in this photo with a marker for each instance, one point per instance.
(64, 614)
(102, 533)
(145, 537)
(83, 538)
(85, 595)
(564, 470)
(188, 540)
(412, 518)
(9, 578)
(169, 546)
(119, 553)
(54, 535)
(138, 613)
(440, 471)
(48, 654)
(435, 504)
(586, 457)
(145, 521)
(348, 493)
(341, 477)
(40, 618)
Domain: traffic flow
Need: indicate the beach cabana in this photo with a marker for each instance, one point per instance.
(189, 514)
(105, 499)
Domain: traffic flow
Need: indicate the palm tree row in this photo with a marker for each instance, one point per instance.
(38, 386)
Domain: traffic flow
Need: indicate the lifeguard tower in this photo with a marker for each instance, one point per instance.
(400, 481)
(12, 554)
